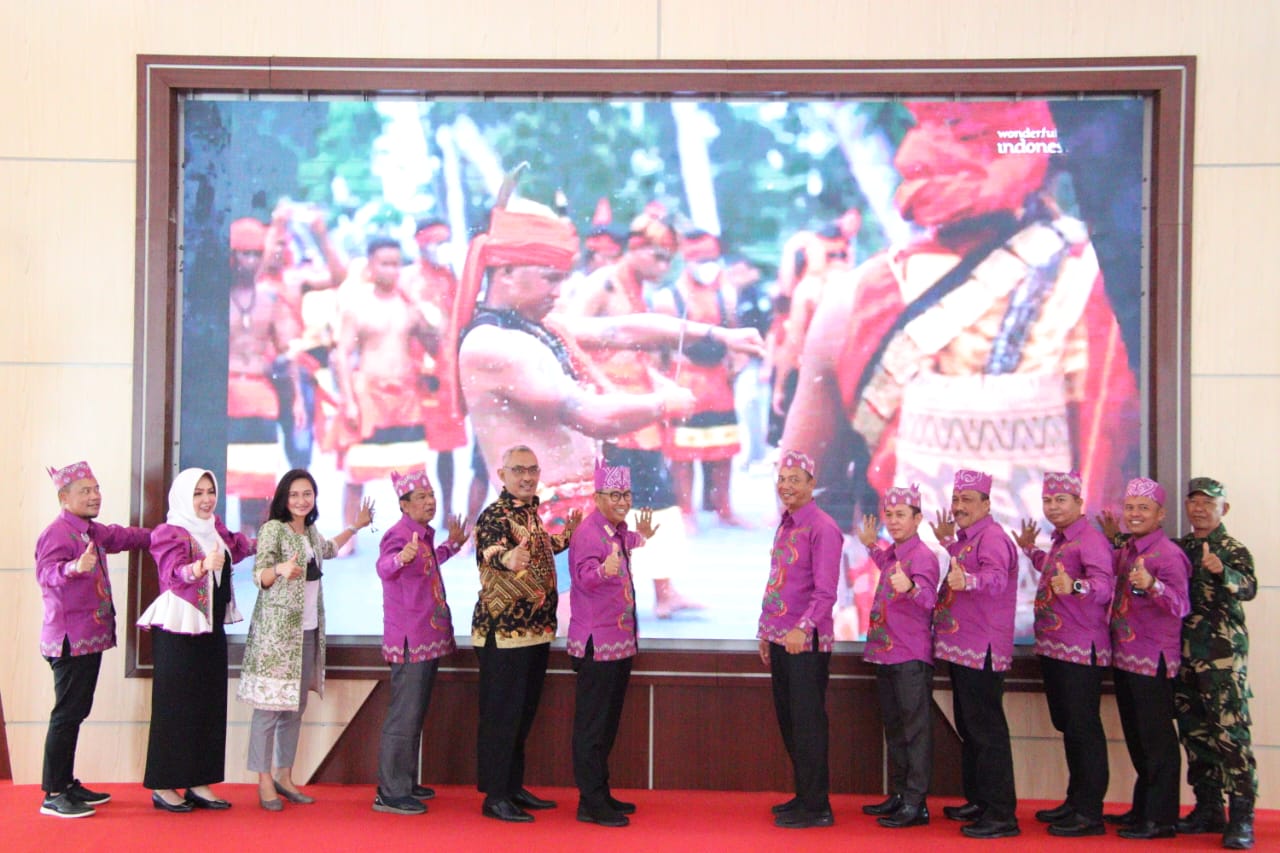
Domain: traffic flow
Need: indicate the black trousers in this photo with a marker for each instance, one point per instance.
(599, 694)
(1146, 713)
(986, 758)
(74, 681)
(1074, 694)
(906, 702)
(510, 687)
(800, 700)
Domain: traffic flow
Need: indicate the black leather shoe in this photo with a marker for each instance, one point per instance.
(889, 806)
(620, 806)
(906, 815)
(1202, 820)
(603, 815)
(802, 818)
(526, 800)
(1129, 818)
(1055, 814)
(199, 802)
(990, 828)
(1076, 825)
(1147, 829)
(160, 803)
(505, 810)
(789, 806)
(969, 811)
(422, 792)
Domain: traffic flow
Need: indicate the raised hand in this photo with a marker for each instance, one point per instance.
(458, 532)
(613, 563)
(88, 560)
(644, 523)
(409, 552)
(868, 533)
(1026, 537)
(955, 577)
(899, 581)
(1210, 560)
(517, 559)
(571, 523)
(945, 527)
(1061, 582)
(1108, 524)
(365, 517)
(1139, 577)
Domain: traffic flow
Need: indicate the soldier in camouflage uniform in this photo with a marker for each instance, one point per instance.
(1211, 693)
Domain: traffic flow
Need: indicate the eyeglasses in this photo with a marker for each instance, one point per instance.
(616, 497)
(524, 470)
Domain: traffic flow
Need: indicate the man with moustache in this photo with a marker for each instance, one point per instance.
(1211, 693)
(900, 644)
(512, 628)
(79, 625)
(1150, 602)
(417, 632)
(1073, 642)
(602, 637)
(973, 631)
(796, 634)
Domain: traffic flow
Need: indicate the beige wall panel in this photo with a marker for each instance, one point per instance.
(56, 415)
(71, 223)
(1232, 288)
(106, 752)
(1039, 771)
(1262, 614)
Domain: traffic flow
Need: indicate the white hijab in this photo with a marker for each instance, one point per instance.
(182, 508)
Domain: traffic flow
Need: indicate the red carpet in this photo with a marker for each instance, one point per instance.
(667, 822)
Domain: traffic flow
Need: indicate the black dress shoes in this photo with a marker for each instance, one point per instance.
(802, 818)
(1076, 825)
(526, 800)
(889, 806)
(1129, 818)
(602, 815)
(200, 802)
(969, 811)
(789, 806)
(422, 792)
(164, 805)
(620, 806)
(906, 815)
(505, 810)
(991, 828)
(1055, 814)
(1147, 829)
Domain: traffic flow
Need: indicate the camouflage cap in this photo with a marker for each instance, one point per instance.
(1208, 486)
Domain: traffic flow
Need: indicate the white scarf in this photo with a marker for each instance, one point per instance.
(182, 509)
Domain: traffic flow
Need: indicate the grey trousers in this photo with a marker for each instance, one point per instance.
(281, 728)
(402, 729)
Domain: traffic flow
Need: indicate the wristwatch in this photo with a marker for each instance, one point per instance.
(1078, 588)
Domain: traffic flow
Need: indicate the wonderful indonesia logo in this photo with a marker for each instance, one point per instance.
(1028, 140)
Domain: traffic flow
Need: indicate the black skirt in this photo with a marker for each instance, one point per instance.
(188, 741)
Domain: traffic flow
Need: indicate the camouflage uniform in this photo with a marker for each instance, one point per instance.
(1211, 693)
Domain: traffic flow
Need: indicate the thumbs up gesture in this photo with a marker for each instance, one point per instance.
(410, 551)
(1061, 581)
(1139, 577)
(88, 560)
(212, 562)
(1210, 560)
(612, 563)
(517, 559)
(955, 577)
(290, 568)
(899, 581)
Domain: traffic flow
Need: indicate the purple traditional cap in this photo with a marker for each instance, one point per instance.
(796, 459)
(1141, 487)
(978, 481)
(404, 484)
(63, 477)
(612, 478)
(900, 496)
(1062, 483)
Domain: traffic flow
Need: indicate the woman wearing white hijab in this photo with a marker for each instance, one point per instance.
(194, 552)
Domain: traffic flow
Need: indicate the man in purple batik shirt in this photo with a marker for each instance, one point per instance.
(796, 635)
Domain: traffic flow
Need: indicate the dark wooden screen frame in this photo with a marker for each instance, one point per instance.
(1169, 83)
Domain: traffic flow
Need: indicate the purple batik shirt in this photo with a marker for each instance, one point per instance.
(969, 623)
(803, 572)
(177, 553)
(602, 609)
(78, 607)
(416, 623)
(1075, 628)
(1148, 624)
(901, 627)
